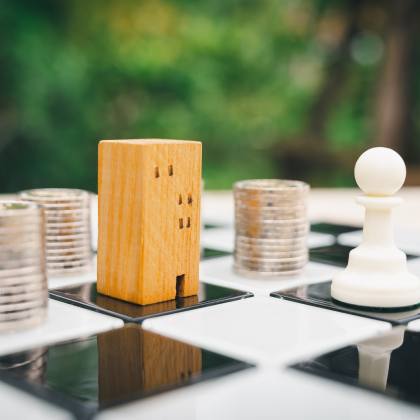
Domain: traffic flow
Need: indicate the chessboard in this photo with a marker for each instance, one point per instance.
(244, 348)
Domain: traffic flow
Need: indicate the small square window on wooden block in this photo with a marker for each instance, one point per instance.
(149, 237)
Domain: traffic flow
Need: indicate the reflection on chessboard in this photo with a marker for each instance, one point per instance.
(152, 362)
(320, 295)
(28, 364)
(389, 364)
(111, 368)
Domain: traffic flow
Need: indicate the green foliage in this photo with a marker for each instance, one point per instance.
(240, 75)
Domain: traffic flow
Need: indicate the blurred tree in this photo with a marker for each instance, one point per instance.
(359, 41)
(271, 89)
(394, 128)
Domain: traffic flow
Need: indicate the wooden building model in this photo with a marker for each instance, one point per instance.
(149, 219)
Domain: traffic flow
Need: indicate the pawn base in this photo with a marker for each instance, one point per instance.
(376, 290)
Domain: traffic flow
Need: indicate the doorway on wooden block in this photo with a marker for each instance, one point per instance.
(180, 283)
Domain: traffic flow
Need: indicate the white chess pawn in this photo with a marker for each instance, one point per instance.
(376, 275)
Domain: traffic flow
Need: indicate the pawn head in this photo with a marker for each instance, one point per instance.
(380, 171)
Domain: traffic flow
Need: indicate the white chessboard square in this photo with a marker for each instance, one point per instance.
(266, 331)
(17, 404)
(64, 322)
(267, 394)
(219, 271)
(222, 239)
(68, 280)
(407, 239)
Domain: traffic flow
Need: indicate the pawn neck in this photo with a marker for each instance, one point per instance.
(378, 226)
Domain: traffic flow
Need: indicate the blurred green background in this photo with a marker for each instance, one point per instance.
(293, 88)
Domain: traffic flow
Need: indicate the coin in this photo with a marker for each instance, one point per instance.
(31, 319)
(11, 256)
(67, 220)
(24, 314)
(18, 208)
(68, 264)
(270, 268)
(36, 269)
(280, 225)
(271, 185)
(264, 274)
(21, 240)
(58, 247)
(264, 253)
(67, 224)
(19, 263)
(72, 250)
(25, 229)
(273, 215)
(66, 238)
(13, 307)
(70, 270)
(270, 261)
(55, 194)
(67, 231)
(69, 258)
(24, 279)
(276, 242)
(39, 286)
(22, 297)
(258, 210)
(278, 252)
(257, 233)
(82, 211)
(16, 222)
(301, 239)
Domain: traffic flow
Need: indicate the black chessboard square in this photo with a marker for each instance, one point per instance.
(213, 253)
(106, 370)
(335, 254)
(333, 228)
(388, 364)
(320, 295)
(86, 296)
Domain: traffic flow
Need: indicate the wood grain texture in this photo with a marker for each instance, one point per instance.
(149, 219)
(133, 362)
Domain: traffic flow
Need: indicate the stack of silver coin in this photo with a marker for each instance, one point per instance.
(23, 281)
(67, 228)
(271, 226)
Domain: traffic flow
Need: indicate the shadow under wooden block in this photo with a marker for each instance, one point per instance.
(87, 296)
(111, 368)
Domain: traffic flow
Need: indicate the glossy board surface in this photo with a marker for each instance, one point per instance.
(389, 364)
(87, 297)
(320, 295)
(104, 370)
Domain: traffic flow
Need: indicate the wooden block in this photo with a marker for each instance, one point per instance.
(149, 219)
